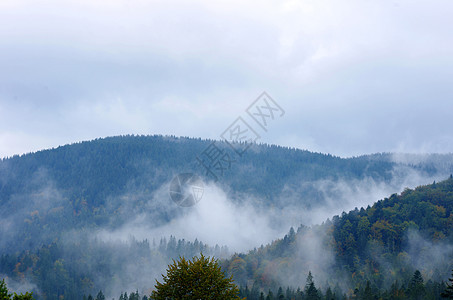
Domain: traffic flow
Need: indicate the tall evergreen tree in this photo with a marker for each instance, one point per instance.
(416, 286)
(4, 295)
(280, 295)
(448, 293)
(311, 292)
(368, 294)
(100, 296)
(329, 294)
(270, 295)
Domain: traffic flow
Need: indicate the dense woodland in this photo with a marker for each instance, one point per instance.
(77, 268)
(54, 202)
(102, 183)
(380, 247)
(370, 247)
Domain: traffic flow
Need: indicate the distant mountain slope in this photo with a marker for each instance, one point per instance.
(382, 244)
(103, 182)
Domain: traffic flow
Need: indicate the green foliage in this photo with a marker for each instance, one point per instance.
(311, 292)
(199, 278)
(100, 296)
(448, 292)
(88, 179)
(5, 295)
(57, 276)
(371, 246)
(416, 286)
(26, 296)
(133, 296)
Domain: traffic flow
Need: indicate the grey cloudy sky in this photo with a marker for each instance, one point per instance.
(354, 76)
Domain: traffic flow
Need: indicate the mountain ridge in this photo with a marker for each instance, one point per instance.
(84, 184)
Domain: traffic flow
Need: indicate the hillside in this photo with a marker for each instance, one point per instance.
(383, 244)
(380, 246)
(101, 183)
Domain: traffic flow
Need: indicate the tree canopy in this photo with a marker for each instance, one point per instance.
(5, 295)
(199, 278)
(448, 293)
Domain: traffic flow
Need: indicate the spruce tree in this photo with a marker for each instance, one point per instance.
(100, 296)
(26, 296)
(416, 286)
(311, 293)
(329, 294)
(368, 294)
(280, 294)
(270, 295)
(4, 295)
(448, 293)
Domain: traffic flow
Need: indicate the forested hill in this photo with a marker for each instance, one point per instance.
(374, 250)
(103, 182)
(383, 244)
(97, 169)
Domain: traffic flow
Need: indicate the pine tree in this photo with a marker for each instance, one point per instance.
(280, 294)
(311, 292)
(134, 296)
(448, 293)
(270, 295)
(289, 293)
(299, 294)
(329, 294)
(4, 295)
(368, 294)
(26, 296)
(254, 293)
(416, 286)
(396, 292)
(100, 296)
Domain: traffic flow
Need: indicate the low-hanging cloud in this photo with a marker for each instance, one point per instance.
(214, 220)
(429, 257)
(243, 221)
(20, 287)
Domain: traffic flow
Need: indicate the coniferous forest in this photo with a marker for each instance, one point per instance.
(226, 150)
(59, 207)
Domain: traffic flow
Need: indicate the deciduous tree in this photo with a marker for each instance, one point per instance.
(199, 278)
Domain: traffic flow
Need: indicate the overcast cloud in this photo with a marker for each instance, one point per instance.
(354, 76)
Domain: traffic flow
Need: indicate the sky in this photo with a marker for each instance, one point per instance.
(352, 76)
